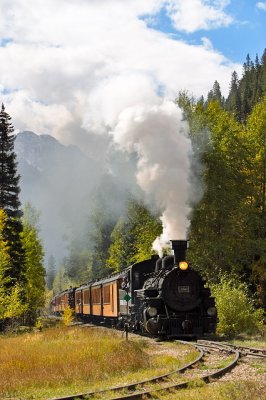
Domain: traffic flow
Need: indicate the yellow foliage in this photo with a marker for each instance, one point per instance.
(68, 316)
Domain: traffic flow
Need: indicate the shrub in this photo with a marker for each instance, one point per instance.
(236, 310)
(68, 316)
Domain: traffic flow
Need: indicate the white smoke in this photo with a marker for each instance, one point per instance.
(159, 136)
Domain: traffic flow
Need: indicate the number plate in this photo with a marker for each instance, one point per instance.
(183, 289)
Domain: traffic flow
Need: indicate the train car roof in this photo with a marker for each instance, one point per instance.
(117, 275)
(109, 279)
(65, 292)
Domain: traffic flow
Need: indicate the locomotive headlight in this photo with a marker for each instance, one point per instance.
(183, 265)
(211, 311)
(152, 311)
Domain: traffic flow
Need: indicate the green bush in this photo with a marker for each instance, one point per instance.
(236, 311)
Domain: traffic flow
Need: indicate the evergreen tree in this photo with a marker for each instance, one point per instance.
(215, 94)
(247, 88)
(11, 306)
(51, 272)
(263, 73)
(257, 90)
(9, 196)
(233, 102)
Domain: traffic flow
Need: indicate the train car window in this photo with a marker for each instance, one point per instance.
(86, 296)
(78, 297)
(106, 294)
(96, 296)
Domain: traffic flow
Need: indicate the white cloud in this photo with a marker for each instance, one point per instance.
(261, 5)
(70, 68)
(81, 63)
(192, 15)
(207, 43)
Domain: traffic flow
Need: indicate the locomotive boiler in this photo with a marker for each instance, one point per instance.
(173, 301)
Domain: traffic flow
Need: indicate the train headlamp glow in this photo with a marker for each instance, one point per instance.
(152, 311)
(211, 311)
(183, 265)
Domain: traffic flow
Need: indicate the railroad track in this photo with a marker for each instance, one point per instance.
(243, 350)
(209, 354)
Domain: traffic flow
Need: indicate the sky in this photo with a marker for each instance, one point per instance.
(234, 28)
(71, 67)
(103, 73)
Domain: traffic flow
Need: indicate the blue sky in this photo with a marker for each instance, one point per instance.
(246, 33)
(81, 64)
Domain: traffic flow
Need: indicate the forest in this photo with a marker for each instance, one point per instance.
(227, 236)
(227, 226)
(22, 273)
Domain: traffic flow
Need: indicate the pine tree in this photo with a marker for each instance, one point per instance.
(51, 272)
(215, 94)
(257, 89)
(9, 196)
(263, 73)
(247, 88)
(233, 102)
(11, 305)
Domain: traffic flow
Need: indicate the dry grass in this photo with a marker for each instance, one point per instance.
(216, 391)
(63, 358)
(63, 361)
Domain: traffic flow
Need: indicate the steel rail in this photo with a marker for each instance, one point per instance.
(132, 386)
(205, 378)
(243, 350)
(249, 351)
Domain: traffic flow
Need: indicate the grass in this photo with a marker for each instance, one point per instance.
(62, 361)
(260, 366)
(259, 343)
(216, 391)
(63, 358)
(218, 365)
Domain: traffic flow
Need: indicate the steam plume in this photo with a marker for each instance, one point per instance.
(158, 134)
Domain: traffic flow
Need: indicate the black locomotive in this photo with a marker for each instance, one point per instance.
(173, 301)
(163, 297)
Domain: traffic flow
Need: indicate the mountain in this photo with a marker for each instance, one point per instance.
(59, 181)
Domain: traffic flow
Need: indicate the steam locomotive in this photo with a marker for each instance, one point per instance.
(162, 297)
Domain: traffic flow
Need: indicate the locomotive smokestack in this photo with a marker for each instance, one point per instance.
(179, 247)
